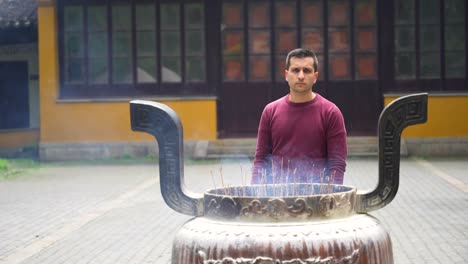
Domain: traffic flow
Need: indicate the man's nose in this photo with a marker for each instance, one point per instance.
(301, 75)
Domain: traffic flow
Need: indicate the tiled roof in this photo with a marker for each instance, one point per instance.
(17, 13)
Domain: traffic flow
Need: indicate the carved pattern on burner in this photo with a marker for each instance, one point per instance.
(226, 207)
(352, 259)
(277, 208)
(327, 205)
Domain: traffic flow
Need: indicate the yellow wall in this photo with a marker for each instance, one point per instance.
(447, 116)
(18, 138)
(104, 121)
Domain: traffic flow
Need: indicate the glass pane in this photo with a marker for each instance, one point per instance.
(319, 61)
(430, 11)
(145, 16)
(455, 11)
(233, 42)
(366, 67)
(98, 71)
(312, 39)
(454, 38)
(455, 64)
(404, 12)
(194, 15)
(288, 14)
(122, 70)
(195, 42)
(259, 41)
(286, 41)
(365, 12)
(339, 40)
(404, 38)
(170, 43)
(74, 70)
(259, 15)
(97, 45)
(97, 18)
(232, 14)
(280, 67)
(405, 65)
(146, 43)
(121, 17)
(430, 65)
(146, 71)
(366, 40)
(73, 17)
(430, 38)
(195, 69)
(73, 44)
(122, 44)
(321, 69)
(170, 16)
(260, 68)
(339, 67)
(170, 69)
(339, 13)
(312, 13)
(233, 68)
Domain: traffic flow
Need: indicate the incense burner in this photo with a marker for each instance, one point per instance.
(295, 223)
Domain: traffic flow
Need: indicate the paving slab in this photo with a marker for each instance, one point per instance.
(115, 213)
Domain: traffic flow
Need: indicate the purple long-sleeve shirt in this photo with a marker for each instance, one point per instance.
(300, 142)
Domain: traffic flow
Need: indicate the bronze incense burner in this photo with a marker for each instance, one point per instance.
(297, 223)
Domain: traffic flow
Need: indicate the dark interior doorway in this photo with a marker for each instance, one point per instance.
(14, 95)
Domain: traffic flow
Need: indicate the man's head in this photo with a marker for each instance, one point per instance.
(301, 53)
(301, 73)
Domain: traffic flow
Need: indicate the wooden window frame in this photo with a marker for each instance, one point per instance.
(388, 79)
(159, 88)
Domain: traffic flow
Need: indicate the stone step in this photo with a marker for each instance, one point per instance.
(245, 147)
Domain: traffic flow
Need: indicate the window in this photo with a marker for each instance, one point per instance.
(130, 48)
(312, 31)
(346, 39)
(366, 40)
(429, 39)
(455, 39)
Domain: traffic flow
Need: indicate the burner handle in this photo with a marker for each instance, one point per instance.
(404, 111)
(163, 123)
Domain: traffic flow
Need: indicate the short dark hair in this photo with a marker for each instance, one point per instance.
(301, 53)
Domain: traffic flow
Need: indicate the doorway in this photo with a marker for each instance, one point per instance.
(14, 95)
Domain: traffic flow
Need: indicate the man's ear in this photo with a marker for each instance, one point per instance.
(286, 75)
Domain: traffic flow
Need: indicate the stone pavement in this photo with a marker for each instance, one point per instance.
(115, 213)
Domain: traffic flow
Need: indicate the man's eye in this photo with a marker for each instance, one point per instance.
(307, 71)
(296, 70)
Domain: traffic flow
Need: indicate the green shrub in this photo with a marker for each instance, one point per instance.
(3, 165)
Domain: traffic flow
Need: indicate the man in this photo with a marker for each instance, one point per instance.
(301, 136)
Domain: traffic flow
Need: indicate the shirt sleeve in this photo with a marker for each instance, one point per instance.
(336, 146)
(264, 147)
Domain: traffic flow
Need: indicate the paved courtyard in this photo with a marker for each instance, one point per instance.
(115, 213)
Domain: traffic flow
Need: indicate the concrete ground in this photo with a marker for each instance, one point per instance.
(115, 213)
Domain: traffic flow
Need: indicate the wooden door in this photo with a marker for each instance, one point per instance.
(256, 40)
(254, 44)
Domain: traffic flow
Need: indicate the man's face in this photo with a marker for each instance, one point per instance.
(301, 74)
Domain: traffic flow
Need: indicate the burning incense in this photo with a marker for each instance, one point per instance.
(213, 179)
(294, 181)
(322, 175)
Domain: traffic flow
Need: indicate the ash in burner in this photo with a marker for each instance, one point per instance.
(279, 190)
